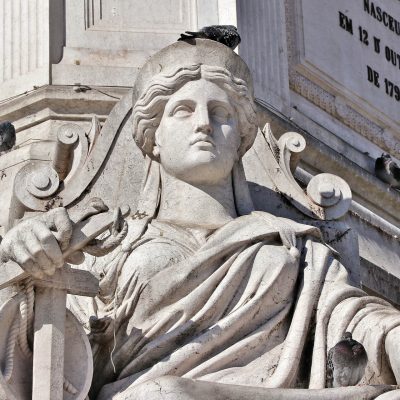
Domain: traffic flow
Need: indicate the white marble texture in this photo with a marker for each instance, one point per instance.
(203, 287)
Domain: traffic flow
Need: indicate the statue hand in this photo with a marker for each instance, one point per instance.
(37, 243)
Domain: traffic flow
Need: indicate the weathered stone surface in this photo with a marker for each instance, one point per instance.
(205, 285)
(301, 81)
(18, 385)
(344, 134)
(97, 43)
(171, 388)
(366, 56)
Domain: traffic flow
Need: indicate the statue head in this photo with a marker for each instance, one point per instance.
(193, 111)
(202, 103)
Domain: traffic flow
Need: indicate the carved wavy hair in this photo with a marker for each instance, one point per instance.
(149, 109)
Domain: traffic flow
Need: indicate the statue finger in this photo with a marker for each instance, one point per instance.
(38, 254)
(23, 258)
(44, 262)
(76, 258)
(36, 271)
(49, 246)
(58, 221)
(20, 254)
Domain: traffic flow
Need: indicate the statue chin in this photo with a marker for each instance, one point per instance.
(202, 167)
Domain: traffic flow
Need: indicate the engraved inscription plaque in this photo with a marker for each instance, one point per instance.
(352, 49)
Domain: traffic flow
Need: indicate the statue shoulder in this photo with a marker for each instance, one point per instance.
(149, 258)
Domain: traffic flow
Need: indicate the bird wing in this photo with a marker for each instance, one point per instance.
(380, 170)
(342, 376)
(395, 171)
(213, 32)
(7, 136)
(387, 171)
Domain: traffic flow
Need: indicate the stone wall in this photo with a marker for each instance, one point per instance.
(68, 61)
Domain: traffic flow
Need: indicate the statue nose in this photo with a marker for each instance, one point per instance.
(203, 122)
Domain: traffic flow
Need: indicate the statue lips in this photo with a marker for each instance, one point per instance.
(203, 142)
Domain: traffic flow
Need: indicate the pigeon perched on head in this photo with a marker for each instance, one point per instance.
(7, 136)
(387, 170)
(225, 34)
(346, 362)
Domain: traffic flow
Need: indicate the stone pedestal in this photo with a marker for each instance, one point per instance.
(100, 43)
(32, 37)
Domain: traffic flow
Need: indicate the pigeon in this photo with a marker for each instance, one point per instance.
(387, 170)
(225, 34)
(7, 136)
(346, 362)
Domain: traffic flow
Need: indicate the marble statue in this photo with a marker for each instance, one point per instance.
(206, 297)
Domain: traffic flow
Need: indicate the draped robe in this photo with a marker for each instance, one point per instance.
(233, 306)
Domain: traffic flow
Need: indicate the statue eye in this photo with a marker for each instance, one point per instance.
(220, 113)
(181, 111)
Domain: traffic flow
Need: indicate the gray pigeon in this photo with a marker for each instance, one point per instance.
(7, 136)
(225, 34)
(387, 170)
(346, 362)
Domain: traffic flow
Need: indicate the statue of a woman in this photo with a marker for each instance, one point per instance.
(203, 287)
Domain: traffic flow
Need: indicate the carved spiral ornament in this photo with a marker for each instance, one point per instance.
(291, 144)
(34, 184)
(68, 134)
(42, 182)
(328, 196)
(37, 185)
(67, 140)
(332, 193)
(293, 141)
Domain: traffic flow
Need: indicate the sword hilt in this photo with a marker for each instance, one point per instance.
(82, 233)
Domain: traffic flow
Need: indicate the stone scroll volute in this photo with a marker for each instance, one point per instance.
(327, 197)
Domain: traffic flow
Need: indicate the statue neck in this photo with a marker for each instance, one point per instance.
(203, 206)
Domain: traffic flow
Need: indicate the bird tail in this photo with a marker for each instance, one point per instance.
(190, 35)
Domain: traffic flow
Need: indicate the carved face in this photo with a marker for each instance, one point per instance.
(198, 137)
